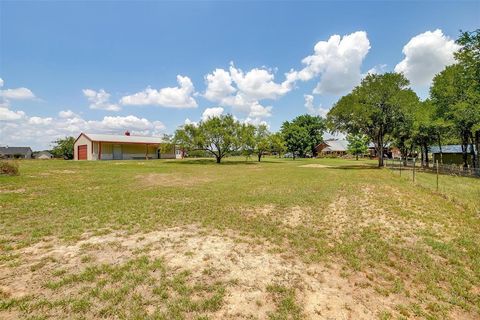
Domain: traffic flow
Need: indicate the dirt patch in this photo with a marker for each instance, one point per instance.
(315, 165)
(320, 290)
(170, 180)
(20, 190)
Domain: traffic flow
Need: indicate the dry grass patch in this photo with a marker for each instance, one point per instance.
(218, 276)
(315, 165)
(170, 180)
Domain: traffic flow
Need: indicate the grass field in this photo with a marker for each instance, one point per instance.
(280, 239)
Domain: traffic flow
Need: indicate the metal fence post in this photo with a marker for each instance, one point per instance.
(437, 175)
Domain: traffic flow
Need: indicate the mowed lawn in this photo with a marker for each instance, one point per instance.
(280, 239)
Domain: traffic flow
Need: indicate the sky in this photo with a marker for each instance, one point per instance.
(152, 66)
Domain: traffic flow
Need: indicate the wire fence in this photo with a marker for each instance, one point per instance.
(458, 184)
(433, 167)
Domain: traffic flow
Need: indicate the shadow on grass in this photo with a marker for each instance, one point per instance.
(227, 162)
(356, 167)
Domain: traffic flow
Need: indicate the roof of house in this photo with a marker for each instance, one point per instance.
(335, 145)
(121, 138)
(15, 150)
(450, 148)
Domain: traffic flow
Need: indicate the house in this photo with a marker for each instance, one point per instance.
(122, 147)
(15, 152)
(451, 154)
(332, 147)
(42, 155)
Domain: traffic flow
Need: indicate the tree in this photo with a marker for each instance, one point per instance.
(456, 103)
(261, 138)
(297, 139)
(277, 143)
(315, 127)
(357, 144)
(247, 139)
(373, 108)
(63, 148)
(219, 136)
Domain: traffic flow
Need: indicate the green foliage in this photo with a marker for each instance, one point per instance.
(296, 139)
(219, 136)
(9, 168)
(63, 148)
(357, 144)
(374, 108)
(277, 143)
(303, 134)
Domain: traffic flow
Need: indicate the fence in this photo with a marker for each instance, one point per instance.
(447, 180)
(444, 169)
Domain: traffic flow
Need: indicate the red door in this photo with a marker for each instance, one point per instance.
(82, 152)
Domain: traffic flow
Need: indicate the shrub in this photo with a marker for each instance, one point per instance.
(8, 168)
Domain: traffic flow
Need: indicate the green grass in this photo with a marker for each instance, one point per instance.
(410, 240)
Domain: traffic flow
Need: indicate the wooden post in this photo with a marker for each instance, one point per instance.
(99, 150)
(400, 166)
(146, 152)
(413, 172)
(437, 175)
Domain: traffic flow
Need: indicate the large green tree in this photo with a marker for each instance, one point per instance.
(63, 148)
(297, 139)
(262, 140)
(277, 143)
(374, 108)
(315, 127)
(218, 136)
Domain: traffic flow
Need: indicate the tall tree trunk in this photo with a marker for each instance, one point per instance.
(465, 150)
(426, 154)
(259, 156)
(218, 159)
(380, 150)
(472, 151)
(477, 147)
(422, 155)
(356, 156)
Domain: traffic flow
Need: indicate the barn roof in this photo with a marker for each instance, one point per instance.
(121, 138)
(336, 145)
(15, 150)
(450, 148)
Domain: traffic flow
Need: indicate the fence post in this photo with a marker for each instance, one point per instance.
(413, 172)
(400, 166)
(437, 175)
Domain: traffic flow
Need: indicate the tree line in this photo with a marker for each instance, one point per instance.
(383, 110)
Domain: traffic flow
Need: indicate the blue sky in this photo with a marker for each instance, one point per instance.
(56, 57)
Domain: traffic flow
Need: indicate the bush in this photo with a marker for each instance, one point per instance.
(8, 168)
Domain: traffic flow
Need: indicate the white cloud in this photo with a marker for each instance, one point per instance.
(8, 115)
(100, 100)
(173, 97)
(425, 55)
(319, 111)
(1, 82)
(212, 112)
(67, 114)
(337, 61)
(243, 91)
(38, 132)
(378, 69)
(17, 94)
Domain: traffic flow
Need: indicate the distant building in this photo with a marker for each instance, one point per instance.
(15, 152)
(42, 155)
(332, 147)
(451, 154)
(122, 147)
